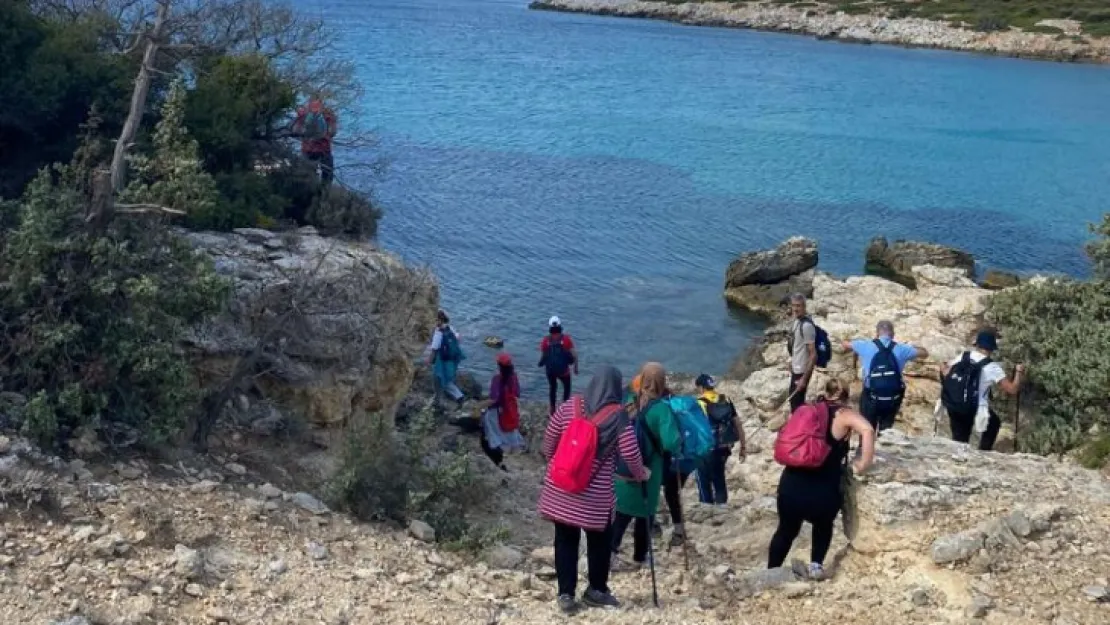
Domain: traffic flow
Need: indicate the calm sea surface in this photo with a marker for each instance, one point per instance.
(607, 170)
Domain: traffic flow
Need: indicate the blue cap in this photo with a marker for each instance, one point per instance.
(987, 340)
(705, 381)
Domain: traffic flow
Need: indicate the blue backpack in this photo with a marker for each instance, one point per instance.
(698, 440)
(884, 378)
(449, 350)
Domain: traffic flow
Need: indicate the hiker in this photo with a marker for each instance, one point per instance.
(657, 434)
(444, 355)
(882, 362)
(501, 413)
(672, 481)
(588, 506)
(728, 431)
(814, 495)
(802, 346)
(557, 356)
(316, 125)
(966, 385)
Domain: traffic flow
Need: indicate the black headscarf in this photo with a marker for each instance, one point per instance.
(606, 389)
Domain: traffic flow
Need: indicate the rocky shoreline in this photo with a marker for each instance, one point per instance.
(826, 22)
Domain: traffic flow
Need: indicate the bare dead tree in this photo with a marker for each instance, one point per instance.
(138, 100)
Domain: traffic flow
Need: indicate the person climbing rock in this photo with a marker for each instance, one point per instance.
(501, 413)
(882, 361)
(803, 350)
(657, 433)
(558, 357)
(444, 355)
(966, 386)
(589, 508)
(728, 432)
(814, 495)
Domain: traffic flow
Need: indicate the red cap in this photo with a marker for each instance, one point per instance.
(504, 358)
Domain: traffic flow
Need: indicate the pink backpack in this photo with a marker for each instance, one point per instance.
(803, 442)
(572, 466)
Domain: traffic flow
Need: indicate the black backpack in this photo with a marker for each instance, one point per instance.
(645, 440)
(557, 359)
(885, 385)
(722, 417)
(959, 389)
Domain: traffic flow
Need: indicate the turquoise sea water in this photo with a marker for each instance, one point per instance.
(607, 170)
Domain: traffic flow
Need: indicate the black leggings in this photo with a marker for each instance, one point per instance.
(819, 505)
(962, 428)
(567, 539)
(672, 486)
(552, 382)
(639, 535)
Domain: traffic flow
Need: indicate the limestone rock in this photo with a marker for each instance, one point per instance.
(897, 260)
(767, 388)
(422, 531)
(320, 372)
(188, 563)
(309, 503)
(504, 557)
(761, 280)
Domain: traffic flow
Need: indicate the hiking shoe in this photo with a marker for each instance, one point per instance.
(598, 599)
(619, 565)
(678, 538)
(816, 572)
(567, 604)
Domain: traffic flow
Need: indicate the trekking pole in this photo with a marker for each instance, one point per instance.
(651, 552)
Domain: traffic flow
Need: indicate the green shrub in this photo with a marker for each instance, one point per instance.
(1096, 453)
(338, 210)
(1061, 329)
(92, 319)
(390, 475)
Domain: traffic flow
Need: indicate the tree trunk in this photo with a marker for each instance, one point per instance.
(138, 101)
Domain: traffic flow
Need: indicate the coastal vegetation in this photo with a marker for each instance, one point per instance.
(1061, 327)
(97, 286)
(982, 15)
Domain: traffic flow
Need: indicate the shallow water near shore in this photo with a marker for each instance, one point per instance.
(606, 170)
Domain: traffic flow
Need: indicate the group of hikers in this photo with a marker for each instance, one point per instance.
(613, 448)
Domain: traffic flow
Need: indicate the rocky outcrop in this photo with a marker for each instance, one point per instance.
(996, 280)
(328, 328)
(942, 314)
(763, 280)
(827, 21)
(896, 261)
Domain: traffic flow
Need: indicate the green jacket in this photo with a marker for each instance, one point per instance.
(631, 499)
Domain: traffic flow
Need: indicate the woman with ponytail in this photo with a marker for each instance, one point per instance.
(814, 495)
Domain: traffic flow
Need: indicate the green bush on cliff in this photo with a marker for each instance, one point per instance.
(396, 476)
(91, 316)
(1061, 328)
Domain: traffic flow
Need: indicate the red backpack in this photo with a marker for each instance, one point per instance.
(803, 442)
(572, 466)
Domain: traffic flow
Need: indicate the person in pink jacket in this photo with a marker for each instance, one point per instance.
(591, 510)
